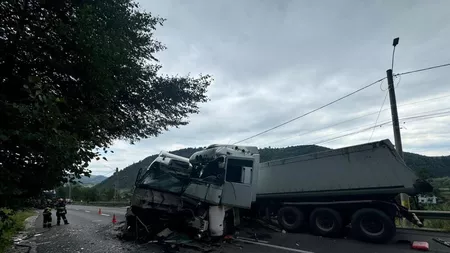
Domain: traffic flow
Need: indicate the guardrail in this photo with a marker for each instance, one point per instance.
(103, 203)
(427, 214)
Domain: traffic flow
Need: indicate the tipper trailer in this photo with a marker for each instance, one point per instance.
(324, 191)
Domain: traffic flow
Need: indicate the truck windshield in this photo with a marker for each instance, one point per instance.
(161, 177)
(209, 172)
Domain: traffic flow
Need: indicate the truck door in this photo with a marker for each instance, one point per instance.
(237, 189)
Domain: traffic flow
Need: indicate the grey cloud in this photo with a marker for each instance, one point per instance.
(275, 60)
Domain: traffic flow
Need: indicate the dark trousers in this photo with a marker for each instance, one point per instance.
(59, 216)
(47, 220)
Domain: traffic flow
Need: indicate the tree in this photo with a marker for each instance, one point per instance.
(91, 194)
(74, 76)
(62, 192)
(423, 174)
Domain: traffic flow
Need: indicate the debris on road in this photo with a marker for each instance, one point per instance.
(423, 246)
(173, 238)
(273, 246)
(268, 225)
(439, 240)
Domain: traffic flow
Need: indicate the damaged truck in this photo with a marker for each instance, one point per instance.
(323, 192)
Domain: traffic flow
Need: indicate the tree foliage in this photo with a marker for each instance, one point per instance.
(74, 76)
(90, 194)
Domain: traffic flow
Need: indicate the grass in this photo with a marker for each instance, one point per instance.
(11, 222)
(443, 225)
(440, 224)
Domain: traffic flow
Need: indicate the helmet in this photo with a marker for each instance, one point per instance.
(60, 200)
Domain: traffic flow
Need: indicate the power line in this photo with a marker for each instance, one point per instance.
(370, 126)
(315, 110)
(384, 100)
(352, 119)
(423, 114)
(424, 69)
(416, 118)
(378, 116)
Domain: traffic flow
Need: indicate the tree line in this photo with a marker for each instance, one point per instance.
(91, 194)
(75, 75)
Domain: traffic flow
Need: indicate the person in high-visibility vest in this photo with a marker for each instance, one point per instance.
(61, 212)
(47, 217)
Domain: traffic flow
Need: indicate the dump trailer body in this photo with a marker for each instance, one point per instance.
(356, 172)
(329, 190)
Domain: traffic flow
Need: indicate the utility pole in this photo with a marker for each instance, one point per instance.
(404, 198)
(116, 182)
(394, 113)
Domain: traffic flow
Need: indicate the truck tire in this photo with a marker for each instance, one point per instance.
(290, 218)
(373, 225)
(325, 222)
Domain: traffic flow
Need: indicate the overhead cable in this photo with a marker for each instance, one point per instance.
(355, 118)
(424, 69)
(310, 112)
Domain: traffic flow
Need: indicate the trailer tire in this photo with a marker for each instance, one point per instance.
(326, 222)
(290, 218)
(373, 225)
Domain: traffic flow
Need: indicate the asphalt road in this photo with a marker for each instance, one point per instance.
(90, 231)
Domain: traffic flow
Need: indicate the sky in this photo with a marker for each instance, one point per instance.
(276, 60)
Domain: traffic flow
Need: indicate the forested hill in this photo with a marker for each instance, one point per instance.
(436, 166)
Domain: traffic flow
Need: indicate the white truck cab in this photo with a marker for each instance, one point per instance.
(209, 188)
(224, 175)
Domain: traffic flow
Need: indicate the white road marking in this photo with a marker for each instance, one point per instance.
(104, 214)
(77, 209)
(87, 211)
(97, 221)
(274, 246)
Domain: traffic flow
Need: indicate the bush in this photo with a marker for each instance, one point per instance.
(439, 224)
(11, 222)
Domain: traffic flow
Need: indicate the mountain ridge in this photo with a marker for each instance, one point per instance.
(92, 180)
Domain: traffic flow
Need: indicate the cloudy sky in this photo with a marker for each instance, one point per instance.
(275, 60)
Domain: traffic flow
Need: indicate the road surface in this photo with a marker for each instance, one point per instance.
(90, 231)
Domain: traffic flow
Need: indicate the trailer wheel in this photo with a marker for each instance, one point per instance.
(325, 222)
(373, 225)
(290, 218)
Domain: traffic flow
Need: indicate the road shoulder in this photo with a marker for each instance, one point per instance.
(25, 241)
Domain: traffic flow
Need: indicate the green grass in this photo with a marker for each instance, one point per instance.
(11, 225)
(432, 223)
(440, 224)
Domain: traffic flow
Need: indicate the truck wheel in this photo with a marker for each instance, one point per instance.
(325, 222)
(290, 218)
(373, 225)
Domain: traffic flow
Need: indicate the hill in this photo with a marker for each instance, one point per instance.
(436, 166)
(92, 180)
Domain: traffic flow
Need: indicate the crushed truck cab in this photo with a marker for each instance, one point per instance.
(204, 192)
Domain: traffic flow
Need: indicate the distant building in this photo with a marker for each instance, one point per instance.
(428, 200)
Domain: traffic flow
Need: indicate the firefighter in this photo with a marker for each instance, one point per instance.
(61, 212)
(47, 217)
